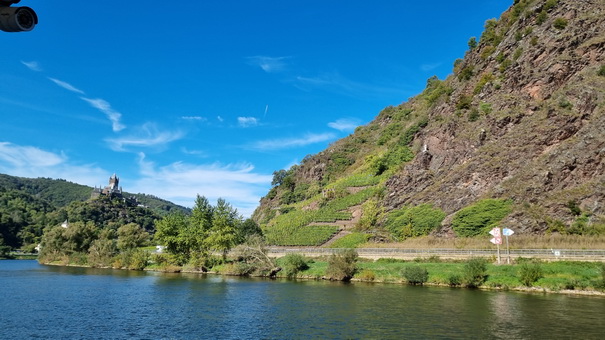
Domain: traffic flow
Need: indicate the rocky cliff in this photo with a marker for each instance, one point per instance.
(521, 120)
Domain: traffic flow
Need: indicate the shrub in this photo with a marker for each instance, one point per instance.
(601, 71)
(541, 17)
(454, 280)
(559, 23)
(478, 218)
(466, 73)
(486, 108)
(367, 275)
(475, 272)
(342, 266)
(415, 275)
(464, 102)
(293, 263)
(473, 115)
(530, 272)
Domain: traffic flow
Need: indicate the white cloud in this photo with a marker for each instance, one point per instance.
(32, 65)
(181, 182)
(286, 143)
(220, 119)
(344, 124)
(148, 135)
(103, 106)
(429, 67)
(66, 85)
(194, 118)
(335, 83)
(247, 121)
(268, 64)
(30, 161)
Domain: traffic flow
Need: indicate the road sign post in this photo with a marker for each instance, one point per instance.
(497, 239)
(507, 232)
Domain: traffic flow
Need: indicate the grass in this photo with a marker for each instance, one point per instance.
(556, 275)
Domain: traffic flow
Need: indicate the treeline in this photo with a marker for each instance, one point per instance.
(195, 240)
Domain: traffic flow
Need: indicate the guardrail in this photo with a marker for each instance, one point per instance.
(552, 254)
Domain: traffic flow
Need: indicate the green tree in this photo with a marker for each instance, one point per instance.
(223, 234)
(103, 249)
(472, 43)
(171, 231)
(131, 236)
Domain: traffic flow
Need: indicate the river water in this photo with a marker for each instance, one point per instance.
(46, 302)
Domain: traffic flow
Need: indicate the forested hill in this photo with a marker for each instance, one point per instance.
(59, 193)
(515, 137)
(28, 205)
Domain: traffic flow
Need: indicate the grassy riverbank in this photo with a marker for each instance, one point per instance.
(556, 277)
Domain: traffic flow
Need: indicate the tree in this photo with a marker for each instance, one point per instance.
(223, 234)
(103, 249)
(131, 236)
(278, 177)
(472, 43)
(171, 231)
(248, 228)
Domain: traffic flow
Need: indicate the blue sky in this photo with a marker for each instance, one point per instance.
(211, 97)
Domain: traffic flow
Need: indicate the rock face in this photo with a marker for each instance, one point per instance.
(521, 118)
(543, 140)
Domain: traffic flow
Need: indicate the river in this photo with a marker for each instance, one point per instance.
(47, 302)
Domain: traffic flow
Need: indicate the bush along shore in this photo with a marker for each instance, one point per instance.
(525, 274)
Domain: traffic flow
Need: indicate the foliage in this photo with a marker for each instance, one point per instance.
(464, 102)
(208, 229)
(530, 272)
(131, 236)
(351, 240)
(472, 43)
(342, 266)
(465, 73)
(490, 35)
(414, 221)
(560, 23)
(371, 213)
(479, 218)
(293, 263)
(253, 253)
(475, 272)
(22, 218)
(601, 71)
(415, 275)
(435, 89)
(485, 78)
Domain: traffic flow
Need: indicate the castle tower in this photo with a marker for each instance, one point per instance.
(113, 182)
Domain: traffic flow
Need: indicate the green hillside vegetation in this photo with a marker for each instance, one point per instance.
(29, 205)
(488, 146)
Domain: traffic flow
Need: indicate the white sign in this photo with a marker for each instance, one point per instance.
(495, 232)
(496, 240)
(507, 232)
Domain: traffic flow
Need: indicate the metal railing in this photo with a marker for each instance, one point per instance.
(576, 254)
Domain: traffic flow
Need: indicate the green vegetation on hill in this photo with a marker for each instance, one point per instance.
(28, 205)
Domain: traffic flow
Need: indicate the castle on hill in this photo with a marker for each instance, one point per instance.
(112, 190)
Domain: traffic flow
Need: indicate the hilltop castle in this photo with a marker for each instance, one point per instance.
(112, 190)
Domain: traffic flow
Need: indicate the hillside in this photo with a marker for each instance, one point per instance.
(59, 193)
(514, 137)
(28, 205)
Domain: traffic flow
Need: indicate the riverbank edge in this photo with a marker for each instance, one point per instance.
(522, 289)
